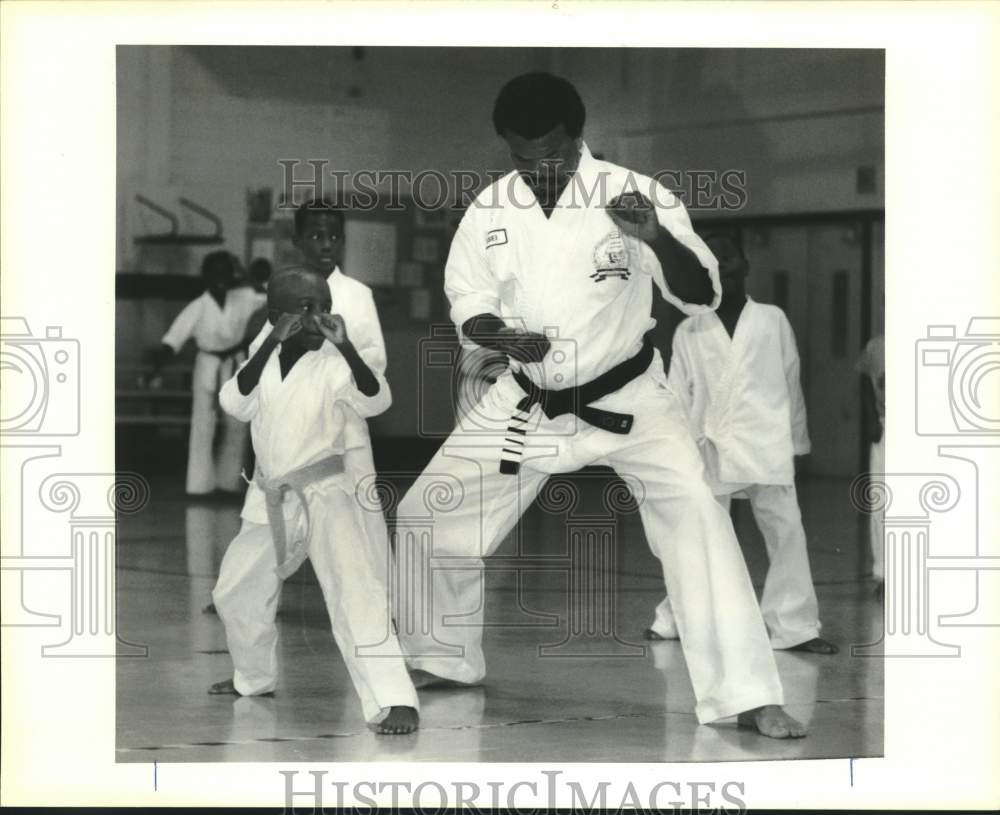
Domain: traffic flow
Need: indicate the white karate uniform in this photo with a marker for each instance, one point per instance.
(575, 273)
(353, 301)
(315, 412)
(214, 465)
(743, 398)
(872, 365)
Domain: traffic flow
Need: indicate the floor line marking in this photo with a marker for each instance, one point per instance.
(321, 736)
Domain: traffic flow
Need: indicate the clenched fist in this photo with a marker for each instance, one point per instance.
(634, 214)
(334, 328)
(288, 325)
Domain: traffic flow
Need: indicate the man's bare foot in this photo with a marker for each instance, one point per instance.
(651, 635)
(771, 721)
(400, 721)
(227, 688)
(425, 679)
(817, 645)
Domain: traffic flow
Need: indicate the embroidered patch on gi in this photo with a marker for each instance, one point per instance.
(496, 237)
(610, 258)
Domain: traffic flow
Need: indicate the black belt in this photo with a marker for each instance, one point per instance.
(577, 401)
(225, 353)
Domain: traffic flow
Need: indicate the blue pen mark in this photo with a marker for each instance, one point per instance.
(851, 760)
(154, 776)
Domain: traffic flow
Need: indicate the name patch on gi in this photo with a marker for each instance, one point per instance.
(610, 258)
(496, 237)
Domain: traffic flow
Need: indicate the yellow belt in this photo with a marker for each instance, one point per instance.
(274, 490)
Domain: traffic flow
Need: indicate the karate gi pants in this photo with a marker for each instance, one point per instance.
(461, 507)
(350, 559)
(788, 604)
(876, 518)
(214, 463)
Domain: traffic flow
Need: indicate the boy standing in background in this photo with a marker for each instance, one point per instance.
(736, 371)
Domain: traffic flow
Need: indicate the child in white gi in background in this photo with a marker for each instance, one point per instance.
(872, 365)
(737, 373)
(306, 405)
(216, 321)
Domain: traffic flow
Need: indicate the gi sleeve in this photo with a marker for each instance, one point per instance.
(679, 376)
(182, 328)
(243, 408)
(468, 283)
(674, 217)
(368, 406)
(367, 336)
(796, 401)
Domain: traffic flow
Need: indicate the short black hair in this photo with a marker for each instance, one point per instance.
(734, 236)
(533, 104)
(218, 262)
(260, 269)
(317, 205)
(279, 276)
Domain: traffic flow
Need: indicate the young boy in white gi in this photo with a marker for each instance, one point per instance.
(306, 392)
(217, 322)
(572, 244)
(737, 373)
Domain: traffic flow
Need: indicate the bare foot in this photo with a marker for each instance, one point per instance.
(399, 722)
(817, 645)
(224, 688)
(425, 679)
(771, 721)
(227, 688)
(651, 635)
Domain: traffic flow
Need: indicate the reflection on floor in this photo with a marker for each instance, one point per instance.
(624, 700)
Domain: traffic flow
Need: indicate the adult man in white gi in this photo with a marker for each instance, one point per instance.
(555, 246)
(217, 322)
(737, 372)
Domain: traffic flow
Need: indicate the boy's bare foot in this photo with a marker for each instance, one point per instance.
(224, 688)
(400, 721)
(227, 688)
(425, 679)
(771, 721)
(817, 645)
(650, 634)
